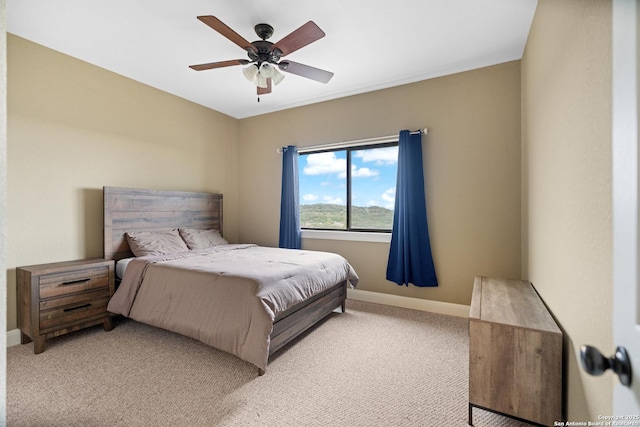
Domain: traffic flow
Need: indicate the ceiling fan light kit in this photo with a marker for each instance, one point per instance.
(258, 74)
(270, 72)
(265, 57)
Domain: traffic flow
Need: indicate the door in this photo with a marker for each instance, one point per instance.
(626, 193)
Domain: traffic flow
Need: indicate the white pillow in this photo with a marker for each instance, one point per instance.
(201, 239)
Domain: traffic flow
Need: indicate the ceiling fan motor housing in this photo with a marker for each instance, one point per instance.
(264, 31)
(264, 52)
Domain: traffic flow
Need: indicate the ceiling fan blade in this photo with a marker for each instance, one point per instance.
(265, 90)
(219, 64)
(223, 29)
(307, 71)
(301, 37)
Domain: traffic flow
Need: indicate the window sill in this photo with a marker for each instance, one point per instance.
(357, 236)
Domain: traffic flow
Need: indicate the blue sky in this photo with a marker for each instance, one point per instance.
(322, 177)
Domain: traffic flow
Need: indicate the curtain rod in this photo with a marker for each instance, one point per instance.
(354, 142)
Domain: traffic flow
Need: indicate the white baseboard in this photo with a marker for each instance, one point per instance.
(13, 337)
(439, 307)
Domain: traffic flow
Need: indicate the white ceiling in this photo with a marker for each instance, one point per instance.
(369, 44)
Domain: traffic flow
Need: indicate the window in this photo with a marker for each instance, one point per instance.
(351, 189)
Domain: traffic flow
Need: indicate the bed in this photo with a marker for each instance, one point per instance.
(244, 299)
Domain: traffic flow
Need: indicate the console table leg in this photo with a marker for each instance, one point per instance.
(470, 414)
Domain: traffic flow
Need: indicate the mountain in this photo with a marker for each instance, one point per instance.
(328, 216)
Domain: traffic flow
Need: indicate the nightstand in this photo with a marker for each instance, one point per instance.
(62, 297)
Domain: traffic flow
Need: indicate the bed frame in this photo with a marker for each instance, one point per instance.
(133, 209)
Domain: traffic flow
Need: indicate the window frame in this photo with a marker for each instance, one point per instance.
(349, 149)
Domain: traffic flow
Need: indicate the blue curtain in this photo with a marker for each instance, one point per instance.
(410, 259)
(289, 200)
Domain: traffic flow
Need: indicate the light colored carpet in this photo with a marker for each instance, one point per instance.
(371, 366)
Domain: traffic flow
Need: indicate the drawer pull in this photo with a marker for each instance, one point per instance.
(75, 282)
(78, 307)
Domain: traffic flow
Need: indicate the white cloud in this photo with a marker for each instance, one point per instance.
(309, 197)
(328, 163)
(322, 163)
(363, 172)
(381, 156)
(389, 198)
(390, 194)
(360, 173)
(333, 200)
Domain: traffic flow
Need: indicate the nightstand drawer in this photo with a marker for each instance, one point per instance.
(68, 282)
(74, 299)
(68, 314)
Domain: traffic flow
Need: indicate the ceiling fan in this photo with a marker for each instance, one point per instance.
(265, 56)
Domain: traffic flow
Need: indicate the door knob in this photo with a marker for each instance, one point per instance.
(594, 363)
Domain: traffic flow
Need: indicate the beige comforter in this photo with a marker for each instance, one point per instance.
(227, 296)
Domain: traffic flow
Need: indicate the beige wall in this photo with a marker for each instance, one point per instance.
(566, 163)
(471, 159)
(3, 208)
(74, 128)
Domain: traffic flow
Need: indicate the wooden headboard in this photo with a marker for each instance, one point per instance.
(135, 209)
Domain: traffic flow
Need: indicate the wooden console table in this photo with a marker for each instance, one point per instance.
(515, 353)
